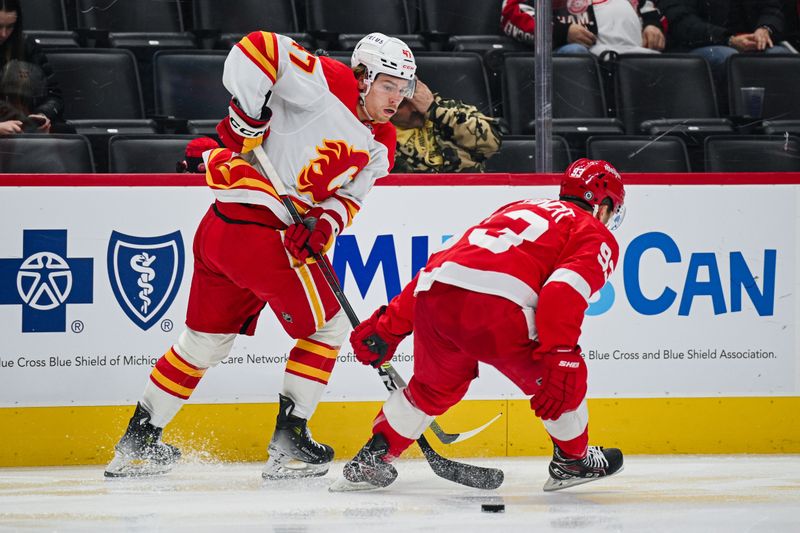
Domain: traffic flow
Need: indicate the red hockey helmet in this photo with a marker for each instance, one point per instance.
(592, 181)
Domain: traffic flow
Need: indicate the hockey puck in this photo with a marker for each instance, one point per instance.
(493, 507)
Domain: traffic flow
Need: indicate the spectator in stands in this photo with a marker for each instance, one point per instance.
(193, 159)
(439, 135)
(717, 30)
(590, 26)
(45, 107)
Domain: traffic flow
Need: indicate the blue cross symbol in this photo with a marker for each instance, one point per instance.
(45, 280)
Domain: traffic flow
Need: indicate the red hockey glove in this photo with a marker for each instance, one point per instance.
(240, 132)
(563, 384)
(372, 343)
(312, 236)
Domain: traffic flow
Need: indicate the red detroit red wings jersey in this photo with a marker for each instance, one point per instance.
(547, 256)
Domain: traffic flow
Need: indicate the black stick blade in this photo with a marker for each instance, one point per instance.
(478, 477)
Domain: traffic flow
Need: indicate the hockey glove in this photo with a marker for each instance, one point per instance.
(312, 236)
(240, 132)
(372, 343)
(563, 383)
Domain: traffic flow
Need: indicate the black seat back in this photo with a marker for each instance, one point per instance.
(130, 15)
(577, 89)
(138, 154)
(45, 154)
(663, 86)
(245, 16)
(518, 154)
(45, 15)
(357, 16)
(778, 74)
(640, 154)
(465, 17)
(752, 153)
(188, 84)
(98, 83)
(458, 75)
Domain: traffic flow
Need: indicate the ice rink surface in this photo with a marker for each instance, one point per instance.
(653, 493)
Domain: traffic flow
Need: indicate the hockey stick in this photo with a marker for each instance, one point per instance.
(391, 378)
(462, 473)
(393, 381)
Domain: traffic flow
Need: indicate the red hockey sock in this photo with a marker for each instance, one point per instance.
(397, 443)
(176, 376)
(574, 448)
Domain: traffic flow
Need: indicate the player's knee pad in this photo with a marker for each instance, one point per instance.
(204, 349)
(334, 331)
(403, 416)
(570, 424)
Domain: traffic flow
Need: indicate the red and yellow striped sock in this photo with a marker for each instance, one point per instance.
(175, 376)
(312, 360)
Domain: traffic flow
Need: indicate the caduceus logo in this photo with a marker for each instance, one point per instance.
(337, 163)
(141, 263)
(145, 274)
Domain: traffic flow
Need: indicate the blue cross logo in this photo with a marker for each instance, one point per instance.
(45, 280)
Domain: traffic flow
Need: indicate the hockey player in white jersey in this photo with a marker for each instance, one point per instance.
(326, 128)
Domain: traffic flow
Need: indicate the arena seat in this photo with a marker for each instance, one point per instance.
(657, 93)
(226, 26)
(640, 153)
(458, 75)
(144, 154)
(98, 83)
(752, 153)
(342, 23)
(188, 84)
(779, 75)
(579, 103)
(46, 23)
(518, 154)
(45, 154)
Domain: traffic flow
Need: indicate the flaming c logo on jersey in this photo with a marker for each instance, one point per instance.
(337, 164)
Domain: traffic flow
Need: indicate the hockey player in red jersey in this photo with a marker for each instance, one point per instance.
(326, 128)
(511, 292)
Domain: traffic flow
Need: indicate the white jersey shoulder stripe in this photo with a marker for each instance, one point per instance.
(573, 279)
(483, 281)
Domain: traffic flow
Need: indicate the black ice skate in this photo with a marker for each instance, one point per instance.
(140, 451)
(293, 453)
(367, 470)
(599, 462)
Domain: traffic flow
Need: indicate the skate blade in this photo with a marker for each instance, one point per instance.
(281, 466)
(125, 467)
(345, 485)
(552, 485)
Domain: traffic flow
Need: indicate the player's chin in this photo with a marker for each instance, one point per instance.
(387, 114)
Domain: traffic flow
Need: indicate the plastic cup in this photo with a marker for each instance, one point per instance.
(752, 100)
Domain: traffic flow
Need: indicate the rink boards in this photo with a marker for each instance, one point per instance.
(692, 345)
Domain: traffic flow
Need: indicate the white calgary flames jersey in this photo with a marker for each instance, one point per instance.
(322, 152)
(547, 256)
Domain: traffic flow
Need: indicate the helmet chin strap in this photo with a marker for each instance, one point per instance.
(362, 98)
(363, 103)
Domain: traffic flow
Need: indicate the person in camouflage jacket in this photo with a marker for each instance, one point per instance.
(435, 134)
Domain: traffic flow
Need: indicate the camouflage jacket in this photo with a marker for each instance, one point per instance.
(456, 137)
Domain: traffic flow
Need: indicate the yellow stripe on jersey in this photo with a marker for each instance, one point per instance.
(300, 368)
(260, 48)
(169, 384)
(322, 351)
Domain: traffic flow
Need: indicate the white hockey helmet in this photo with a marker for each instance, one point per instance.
(381, 54)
